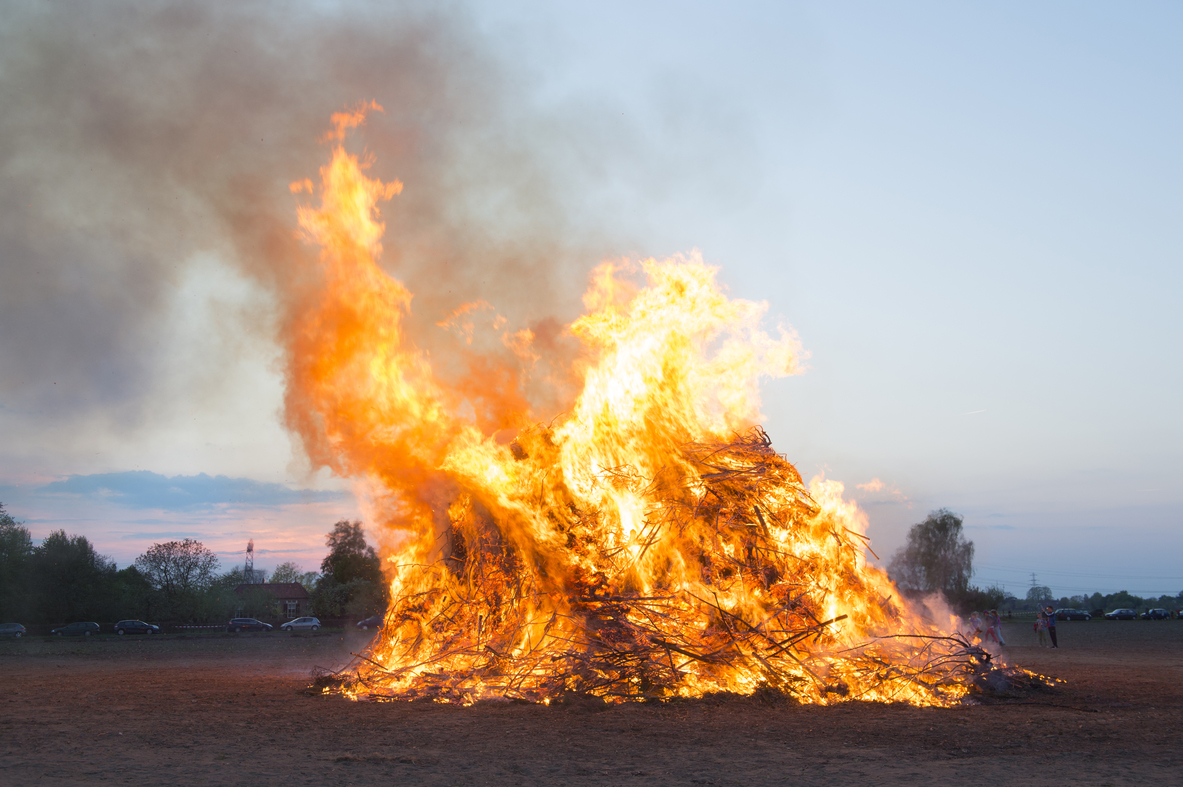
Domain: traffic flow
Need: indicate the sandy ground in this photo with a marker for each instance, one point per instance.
(233, 710)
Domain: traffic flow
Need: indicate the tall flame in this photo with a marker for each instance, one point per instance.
(647, 542)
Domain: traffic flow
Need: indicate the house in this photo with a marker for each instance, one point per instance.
(290, 599)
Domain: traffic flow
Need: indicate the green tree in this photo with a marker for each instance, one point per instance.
(16, 552)
(1096, 603)
(936, 559)
(133, 595)
(231, 579)
(71, 581)
(219, 602)
(350, 557)
(975, 598)
(256, 602)
(1039, 595)
(290, 572)
(351, 581)
(181, 571)
(1123, 599)
(357, 598)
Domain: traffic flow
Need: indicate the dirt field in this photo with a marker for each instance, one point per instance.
(232, 710)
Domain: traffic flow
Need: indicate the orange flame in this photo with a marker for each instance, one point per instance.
(646, 543)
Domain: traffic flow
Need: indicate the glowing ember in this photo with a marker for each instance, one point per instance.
(647, 543)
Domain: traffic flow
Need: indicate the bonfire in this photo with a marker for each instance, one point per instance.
(646, 543)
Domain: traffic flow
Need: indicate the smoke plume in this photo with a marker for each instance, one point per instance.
(138, 137)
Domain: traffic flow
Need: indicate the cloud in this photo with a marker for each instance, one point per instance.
(144, 489)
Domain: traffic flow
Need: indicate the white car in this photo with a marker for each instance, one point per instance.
(301, 624)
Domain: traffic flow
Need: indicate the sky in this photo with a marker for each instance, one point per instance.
(970, 216)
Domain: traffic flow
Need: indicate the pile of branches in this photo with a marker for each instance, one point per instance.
(499, 616)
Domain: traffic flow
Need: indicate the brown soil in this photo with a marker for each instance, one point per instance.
(233, 710)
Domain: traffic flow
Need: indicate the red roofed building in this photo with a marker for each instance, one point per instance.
(291, 598)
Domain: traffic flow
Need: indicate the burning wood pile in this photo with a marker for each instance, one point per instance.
(648, 543)
(772, 570)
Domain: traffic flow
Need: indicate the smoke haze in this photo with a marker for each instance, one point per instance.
(139, 141)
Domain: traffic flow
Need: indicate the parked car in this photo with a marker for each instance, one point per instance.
(135, 627)
(12, 630)
(1121, 614)
(1156, 614)
(301, 624)
(372, 622)
(1072, 614)
(77, 630)
(247, 624)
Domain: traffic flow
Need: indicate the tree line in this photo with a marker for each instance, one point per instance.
(938, 559)
(1097, 604)
(64, 579)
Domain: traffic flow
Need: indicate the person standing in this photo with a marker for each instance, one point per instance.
(1051, 626)
(996, 621)
(1041, 628)
(975, 628)
(991, 628)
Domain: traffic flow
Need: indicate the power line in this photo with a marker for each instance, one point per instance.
(1090, 589)
(1087, 574)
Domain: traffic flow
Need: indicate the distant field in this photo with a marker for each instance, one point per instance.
(1110, 636)
(331, 646)
(1107, 636)
(233, 709)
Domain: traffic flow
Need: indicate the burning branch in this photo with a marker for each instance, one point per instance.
(495, 620)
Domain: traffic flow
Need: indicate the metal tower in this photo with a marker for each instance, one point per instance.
(249, 574)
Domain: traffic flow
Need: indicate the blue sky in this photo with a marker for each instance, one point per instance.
(127, 512)
(144, 489)
(970, 215)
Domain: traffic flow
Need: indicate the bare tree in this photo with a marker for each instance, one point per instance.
(936, 559)
(179, 570)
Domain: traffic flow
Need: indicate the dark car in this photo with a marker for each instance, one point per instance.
(77, 630)
(135, 627)
(247, 624)
(1121, 614)
(1072, 614)
(1156, 614)
(12, 630)
(372, 622)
